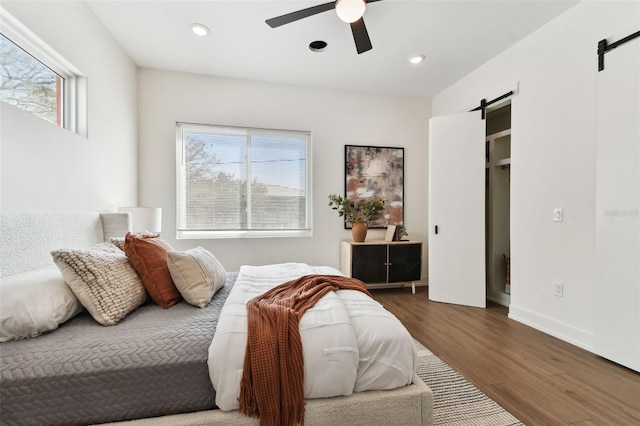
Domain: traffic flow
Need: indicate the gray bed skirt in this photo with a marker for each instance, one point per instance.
(152, 363)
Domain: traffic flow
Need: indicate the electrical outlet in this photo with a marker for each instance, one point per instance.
(558, 289)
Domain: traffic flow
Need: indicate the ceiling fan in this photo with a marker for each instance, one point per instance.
(349, 11)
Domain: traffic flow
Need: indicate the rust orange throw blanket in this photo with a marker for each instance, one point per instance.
(272, 384)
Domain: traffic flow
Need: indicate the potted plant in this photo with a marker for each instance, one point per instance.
(357, 215)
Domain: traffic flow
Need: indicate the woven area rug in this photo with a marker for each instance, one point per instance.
(455, 400)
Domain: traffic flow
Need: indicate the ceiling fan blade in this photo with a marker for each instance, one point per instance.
(361, 36)
(300, 14)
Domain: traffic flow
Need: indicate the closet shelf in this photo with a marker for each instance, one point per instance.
(503, 162)
(498, 135)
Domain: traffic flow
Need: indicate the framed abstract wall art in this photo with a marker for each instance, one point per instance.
(376, 172)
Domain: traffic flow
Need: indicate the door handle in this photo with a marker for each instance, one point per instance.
(436, 229)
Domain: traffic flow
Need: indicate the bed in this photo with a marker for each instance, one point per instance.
(150, 368)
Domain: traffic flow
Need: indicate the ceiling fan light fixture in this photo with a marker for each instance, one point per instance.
(199, 29)
(350, 10)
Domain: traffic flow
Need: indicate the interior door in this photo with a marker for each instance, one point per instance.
(457, 209)
(617, 268)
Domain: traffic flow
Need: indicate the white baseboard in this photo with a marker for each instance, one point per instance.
(581, 338)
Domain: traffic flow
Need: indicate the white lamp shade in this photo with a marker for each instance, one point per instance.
(144, 219)
(350, 10)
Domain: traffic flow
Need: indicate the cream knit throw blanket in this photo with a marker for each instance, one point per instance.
(272, 384)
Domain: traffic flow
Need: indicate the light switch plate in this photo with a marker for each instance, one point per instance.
(558, 289)
(558, 214)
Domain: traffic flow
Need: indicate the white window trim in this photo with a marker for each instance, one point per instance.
(75, 88)
(240, 234)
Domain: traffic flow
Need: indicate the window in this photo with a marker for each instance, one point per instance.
(29, 84)
(237, 182)
(36, 79)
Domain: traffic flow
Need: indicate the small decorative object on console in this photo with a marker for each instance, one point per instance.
(400, 232)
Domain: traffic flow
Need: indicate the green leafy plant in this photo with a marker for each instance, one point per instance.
(355, 212)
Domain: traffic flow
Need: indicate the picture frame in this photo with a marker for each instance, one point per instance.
(372, 172)
(391, 233)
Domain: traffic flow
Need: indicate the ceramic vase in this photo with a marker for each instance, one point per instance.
(359, 231)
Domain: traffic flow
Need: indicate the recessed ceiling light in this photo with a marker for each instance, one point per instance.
(416, 59)
(199, 30)
(317, 46)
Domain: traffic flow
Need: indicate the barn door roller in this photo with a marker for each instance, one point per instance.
(604, 47)
(484, 103)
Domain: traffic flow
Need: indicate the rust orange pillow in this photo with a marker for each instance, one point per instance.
(148, 255)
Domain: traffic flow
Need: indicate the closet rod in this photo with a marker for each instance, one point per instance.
(603, 47)
(484, 104)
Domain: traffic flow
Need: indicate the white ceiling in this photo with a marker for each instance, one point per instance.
(455, 36)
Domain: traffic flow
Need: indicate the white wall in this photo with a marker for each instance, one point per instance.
(335, 119)
(553, 160)
(44, 167)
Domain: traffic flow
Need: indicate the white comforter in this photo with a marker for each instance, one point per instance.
(350, 342)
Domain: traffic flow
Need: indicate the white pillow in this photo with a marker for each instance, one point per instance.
(33, 303)
(197, 274)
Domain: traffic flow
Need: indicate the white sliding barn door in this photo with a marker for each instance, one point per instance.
(617, 267)
(457, 209)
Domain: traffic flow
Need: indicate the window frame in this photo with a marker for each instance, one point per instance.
(245, 233)
(74, 90)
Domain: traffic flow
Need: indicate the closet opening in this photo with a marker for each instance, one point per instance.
(498, 204)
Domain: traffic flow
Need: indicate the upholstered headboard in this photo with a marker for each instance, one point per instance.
(27, 238)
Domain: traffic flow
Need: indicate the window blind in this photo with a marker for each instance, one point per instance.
(235, 182)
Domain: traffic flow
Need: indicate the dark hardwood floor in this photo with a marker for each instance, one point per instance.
(539, 379)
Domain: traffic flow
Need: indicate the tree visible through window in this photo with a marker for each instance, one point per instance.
(235, 182)
(29, 84)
